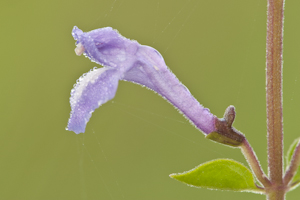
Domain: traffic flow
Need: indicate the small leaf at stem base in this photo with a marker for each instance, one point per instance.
(221, 174)
(296, 178)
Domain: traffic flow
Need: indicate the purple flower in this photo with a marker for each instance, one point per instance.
(125, 59)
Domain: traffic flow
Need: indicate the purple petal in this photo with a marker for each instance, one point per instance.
(92, 89)
(130, 61)
(153, 73)
(106, 46)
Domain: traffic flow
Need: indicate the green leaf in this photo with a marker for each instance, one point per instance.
(289, 156)
(221, 174)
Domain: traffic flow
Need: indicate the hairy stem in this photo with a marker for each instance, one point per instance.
(254, 163)
(277, 194)
(274, 96)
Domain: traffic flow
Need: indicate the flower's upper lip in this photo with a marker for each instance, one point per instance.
(76, 33)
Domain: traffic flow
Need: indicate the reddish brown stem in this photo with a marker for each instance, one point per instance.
(274, 95)
(254, 163)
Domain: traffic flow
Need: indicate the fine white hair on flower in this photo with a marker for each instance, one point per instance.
(83, 81)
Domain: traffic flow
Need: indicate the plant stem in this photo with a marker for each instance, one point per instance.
(274, 96)
(276, 195)
(254, 163)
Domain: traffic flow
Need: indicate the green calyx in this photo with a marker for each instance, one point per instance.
(225, 133)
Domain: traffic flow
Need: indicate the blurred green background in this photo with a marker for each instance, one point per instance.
(131, 145)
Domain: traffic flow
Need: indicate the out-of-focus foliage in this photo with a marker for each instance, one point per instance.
(135, 141)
